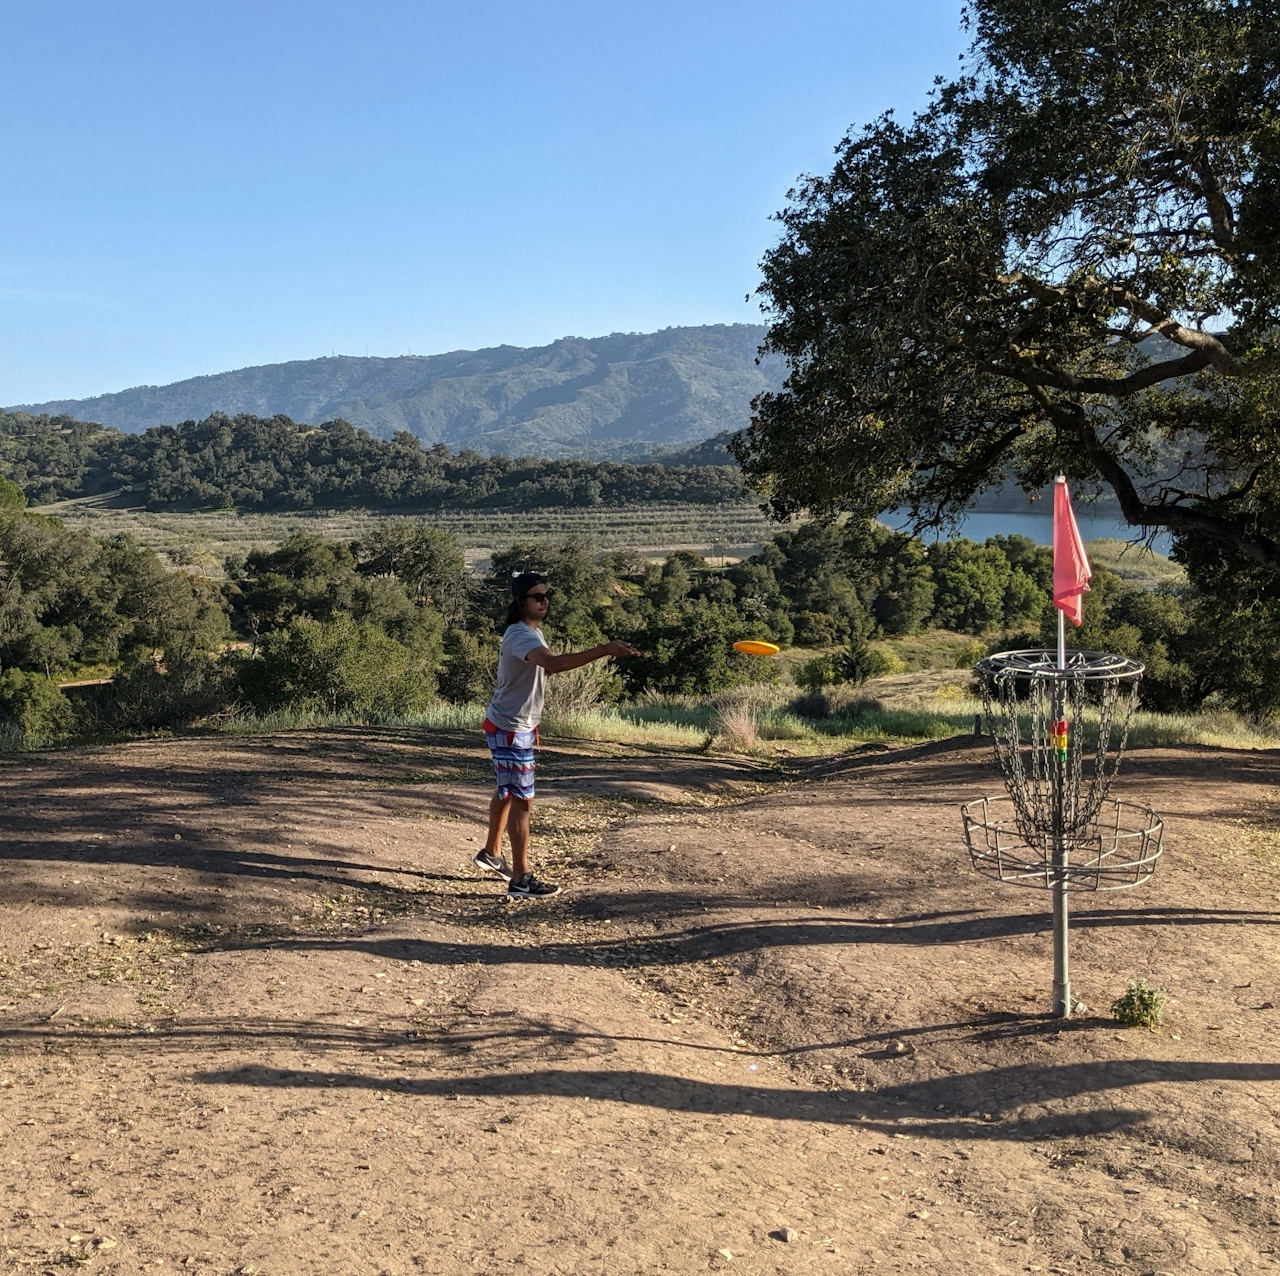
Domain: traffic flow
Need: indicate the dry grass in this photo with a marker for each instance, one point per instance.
(1136, 564)
(737, 728)
(580, 690)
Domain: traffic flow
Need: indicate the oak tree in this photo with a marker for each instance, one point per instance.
(1070, 261)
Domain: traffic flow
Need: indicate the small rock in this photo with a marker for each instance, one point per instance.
(725, 1253)
(920, 1214)
(104, 1242)
(787, 1234)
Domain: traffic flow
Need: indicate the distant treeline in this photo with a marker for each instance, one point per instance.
(268, 464)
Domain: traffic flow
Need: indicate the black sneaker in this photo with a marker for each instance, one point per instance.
(493, 864)
(530, 887)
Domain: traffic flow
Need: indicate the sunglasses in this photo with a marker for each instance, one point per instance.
(540, 598)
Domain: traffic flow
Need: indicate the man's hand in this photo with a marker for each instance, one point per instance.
(620, 648)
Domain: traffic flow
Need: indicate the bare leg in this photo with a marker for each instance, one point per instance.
(499, 809)
(519, 831)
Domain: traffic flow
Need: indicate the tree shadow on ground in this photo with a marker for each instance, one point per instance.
(940, 1108)
(703, 943)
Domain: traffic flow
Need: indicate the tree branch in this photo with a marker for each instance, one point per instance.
(1138, 513)
(1115, 387)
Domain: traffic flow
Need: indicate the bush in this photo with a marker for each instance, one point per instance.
(970, 583)
(814, 705)
(970, 654)
(883, 661)
(860, 661)
(688, 650)
(11, 496)
(819, 671)
(1141, 1006)
(470, 667)
(818, 629)
(341, 666)
(147, 697)
(33, 711)
(581, 690)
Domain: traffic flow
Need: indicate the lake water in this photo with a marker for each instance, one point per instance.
(1039, 527)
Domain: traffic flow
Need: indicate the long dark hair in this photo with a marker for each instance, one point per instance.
(515, 612)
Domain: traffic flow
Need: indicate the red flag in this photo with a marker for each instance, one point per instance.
(1071, 570)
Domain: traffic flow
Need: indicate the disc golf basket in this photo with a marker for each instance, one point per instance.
(1060, 726)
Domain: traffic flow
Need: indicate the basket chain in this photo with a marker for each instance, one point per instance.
(1031, 786)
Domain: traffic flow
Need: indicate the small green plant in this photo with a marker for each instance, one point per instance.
(969, 655)
(1141, 1006)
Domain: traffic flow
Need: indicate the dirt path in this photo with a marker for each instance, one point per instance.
(260, 1015)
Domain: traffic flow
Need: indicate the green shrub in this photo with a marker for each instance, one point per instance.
(688, 650)
(11, 496)
(884, 661)
(33, 711)
(970, 654)
(1141, 1006)
(145, 697)
(860, 661)
(470, 667)
(819, 671)
(815, 704)
(338, 666)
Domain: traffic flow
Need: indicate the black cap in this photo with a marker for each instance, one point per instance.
(523, 582)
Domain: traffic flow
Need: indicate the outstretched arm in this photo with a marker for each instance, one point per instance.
(576, 659)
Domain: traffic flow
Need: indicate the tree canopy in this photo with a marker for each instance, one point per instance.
(274, 463)
(1068, 262)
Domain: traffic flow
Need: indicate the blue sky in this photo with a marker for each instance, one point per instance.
(192, 188)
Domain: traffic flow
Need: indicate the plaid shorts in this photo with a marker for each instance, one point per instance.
(512, 754)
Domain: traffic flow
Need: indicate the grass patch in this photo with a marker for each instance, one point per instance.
(1218, 728)
(937, 649)
(1136, 564)
(898, 709)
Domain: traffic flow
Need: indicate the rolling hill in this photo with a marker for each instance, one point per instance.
(623, 395)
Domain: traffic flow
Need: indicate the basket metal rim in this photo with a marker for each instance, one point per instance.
(1019, 864)
(1153, 819)
(1043, 663)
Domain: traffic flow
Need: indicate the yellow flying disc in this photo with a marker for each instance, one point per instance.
(756, 647)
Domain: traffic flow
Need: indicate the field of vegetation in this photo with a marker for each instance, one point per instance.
(205, 539)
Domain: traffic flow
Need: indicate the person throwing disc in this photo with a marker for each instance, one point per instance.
(511, 729)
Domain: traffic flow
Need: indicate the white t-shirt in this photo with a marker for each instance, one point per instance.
(522, 685)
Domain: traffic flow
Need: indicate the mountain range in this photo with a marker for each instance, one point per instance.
(620, 396)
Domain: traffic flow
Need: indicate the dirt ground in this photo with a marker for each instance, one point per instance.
(260, 1014)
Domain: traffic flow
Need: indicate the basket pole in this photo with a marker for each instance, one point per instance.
(1061, 964)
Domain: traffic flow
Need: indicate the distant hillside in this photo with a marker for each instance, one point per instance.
(624, 395)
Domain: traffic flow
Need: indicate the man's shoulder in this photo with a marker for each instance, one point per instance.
(521, 638)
